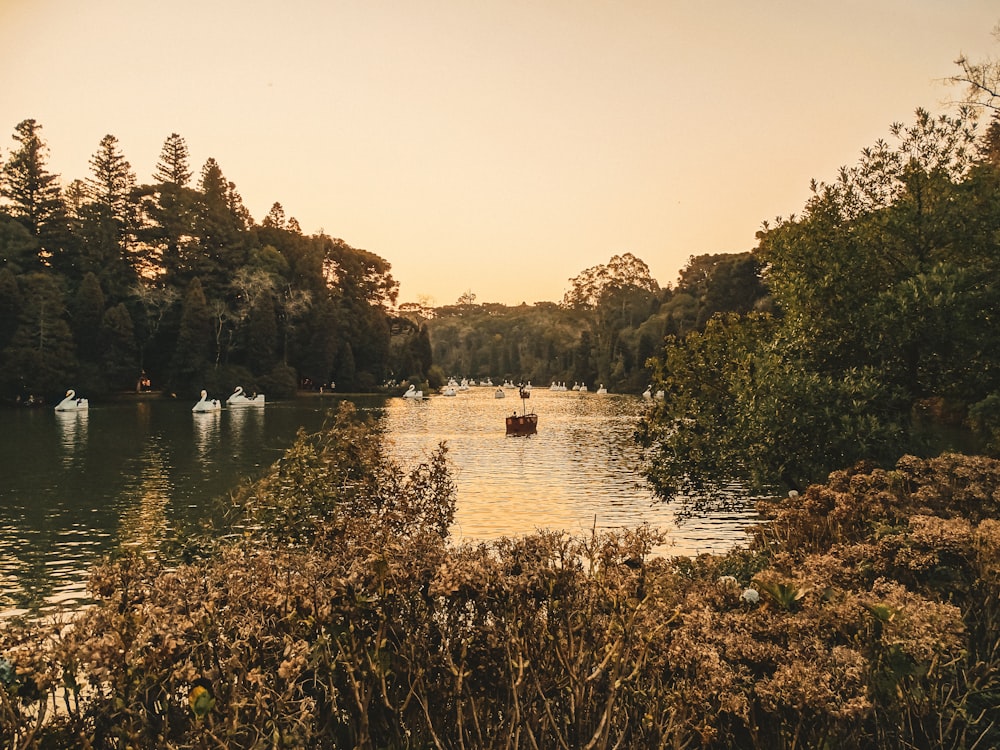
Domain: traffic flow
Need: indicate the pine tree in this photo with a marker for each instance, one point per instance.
(40, 355)
(173, 167)
(112, 182)
(31, 191)
(118, 349)
(86, 313)
(194, 352)
(221, 244)
(110, 218)
(10, 305)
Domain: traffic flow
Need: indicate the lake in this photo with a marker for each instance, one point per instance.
(75, 485)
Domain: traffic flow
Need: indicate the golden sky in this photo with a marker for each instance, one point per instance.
(485, 146)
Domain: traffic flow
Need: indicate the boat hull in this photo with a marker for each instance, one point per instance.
(523, 424)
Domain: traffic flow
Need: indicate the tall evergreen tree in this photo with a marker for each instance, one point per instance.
(221, 244)
(275, 218)
(39, 357)
(195, 348)
(10, 305)
(173, 167)
(118, 349)
(109, 219)
(31, 191)
(112, 182)
(86, 313)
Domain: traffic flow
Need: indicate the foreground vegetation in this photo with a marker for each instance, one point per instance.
(864, 613)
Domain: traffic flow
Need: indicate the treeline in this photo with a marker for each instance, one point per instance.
(885, 296)
(107, 284)
(612, 320)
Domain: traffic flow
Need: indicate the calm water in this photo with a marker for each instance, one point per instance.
(72, 485)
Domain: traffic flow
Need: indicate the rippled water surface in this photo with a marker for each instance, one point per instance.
(73, 485)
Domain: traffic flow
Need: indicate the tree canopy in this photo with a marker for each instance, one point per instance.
(113, 283)
(884, 296)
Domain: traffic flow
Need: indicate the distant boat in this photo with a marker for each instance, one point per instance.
(413, 393)
(498, 393)
(525, 423)
(602, 390)
(72, 403)
(239, 399)
(522, 424)
(206, 404)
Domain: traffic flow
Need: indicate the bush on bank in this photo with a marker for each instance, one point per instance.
(863, 613)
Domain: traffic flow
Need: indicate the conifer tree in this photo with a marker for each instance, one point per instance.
(221, 249)
(118, 349)
(194, 351)
(31, 190)
(86, 313)
(10, 304)
(40, 356)
(112, 181)
(173, 167)
(261, 335)
(109, 219)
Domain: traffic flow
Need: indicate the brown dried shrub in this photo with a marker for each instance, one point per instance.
(864, 614)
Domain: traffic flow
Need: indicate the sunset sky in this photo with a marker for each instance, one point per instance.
(493, 147)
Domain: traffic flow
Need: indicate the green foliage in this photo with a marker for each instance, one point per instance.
(883, 301)
(40, 355)
(31, 191)
(195, 353)
(18, 249)
(275, 299)
(86, 312)
(118, 348)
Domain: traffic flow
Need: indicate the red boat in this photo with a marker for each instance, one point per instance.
(524, 423)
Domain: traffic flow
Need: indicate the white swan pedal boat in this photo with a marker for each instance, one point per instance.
(206, 404)
(240, 399)
(72, 403)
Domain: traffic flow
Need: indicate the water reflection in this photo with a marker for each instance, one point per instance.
(579, 472)
(146, 497)
(244, 419)
(72, 433)
(65, 500)
(206, 431)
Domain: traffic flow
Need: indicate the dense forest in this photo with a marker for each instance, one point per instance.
(608, 325)
(111, 285)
